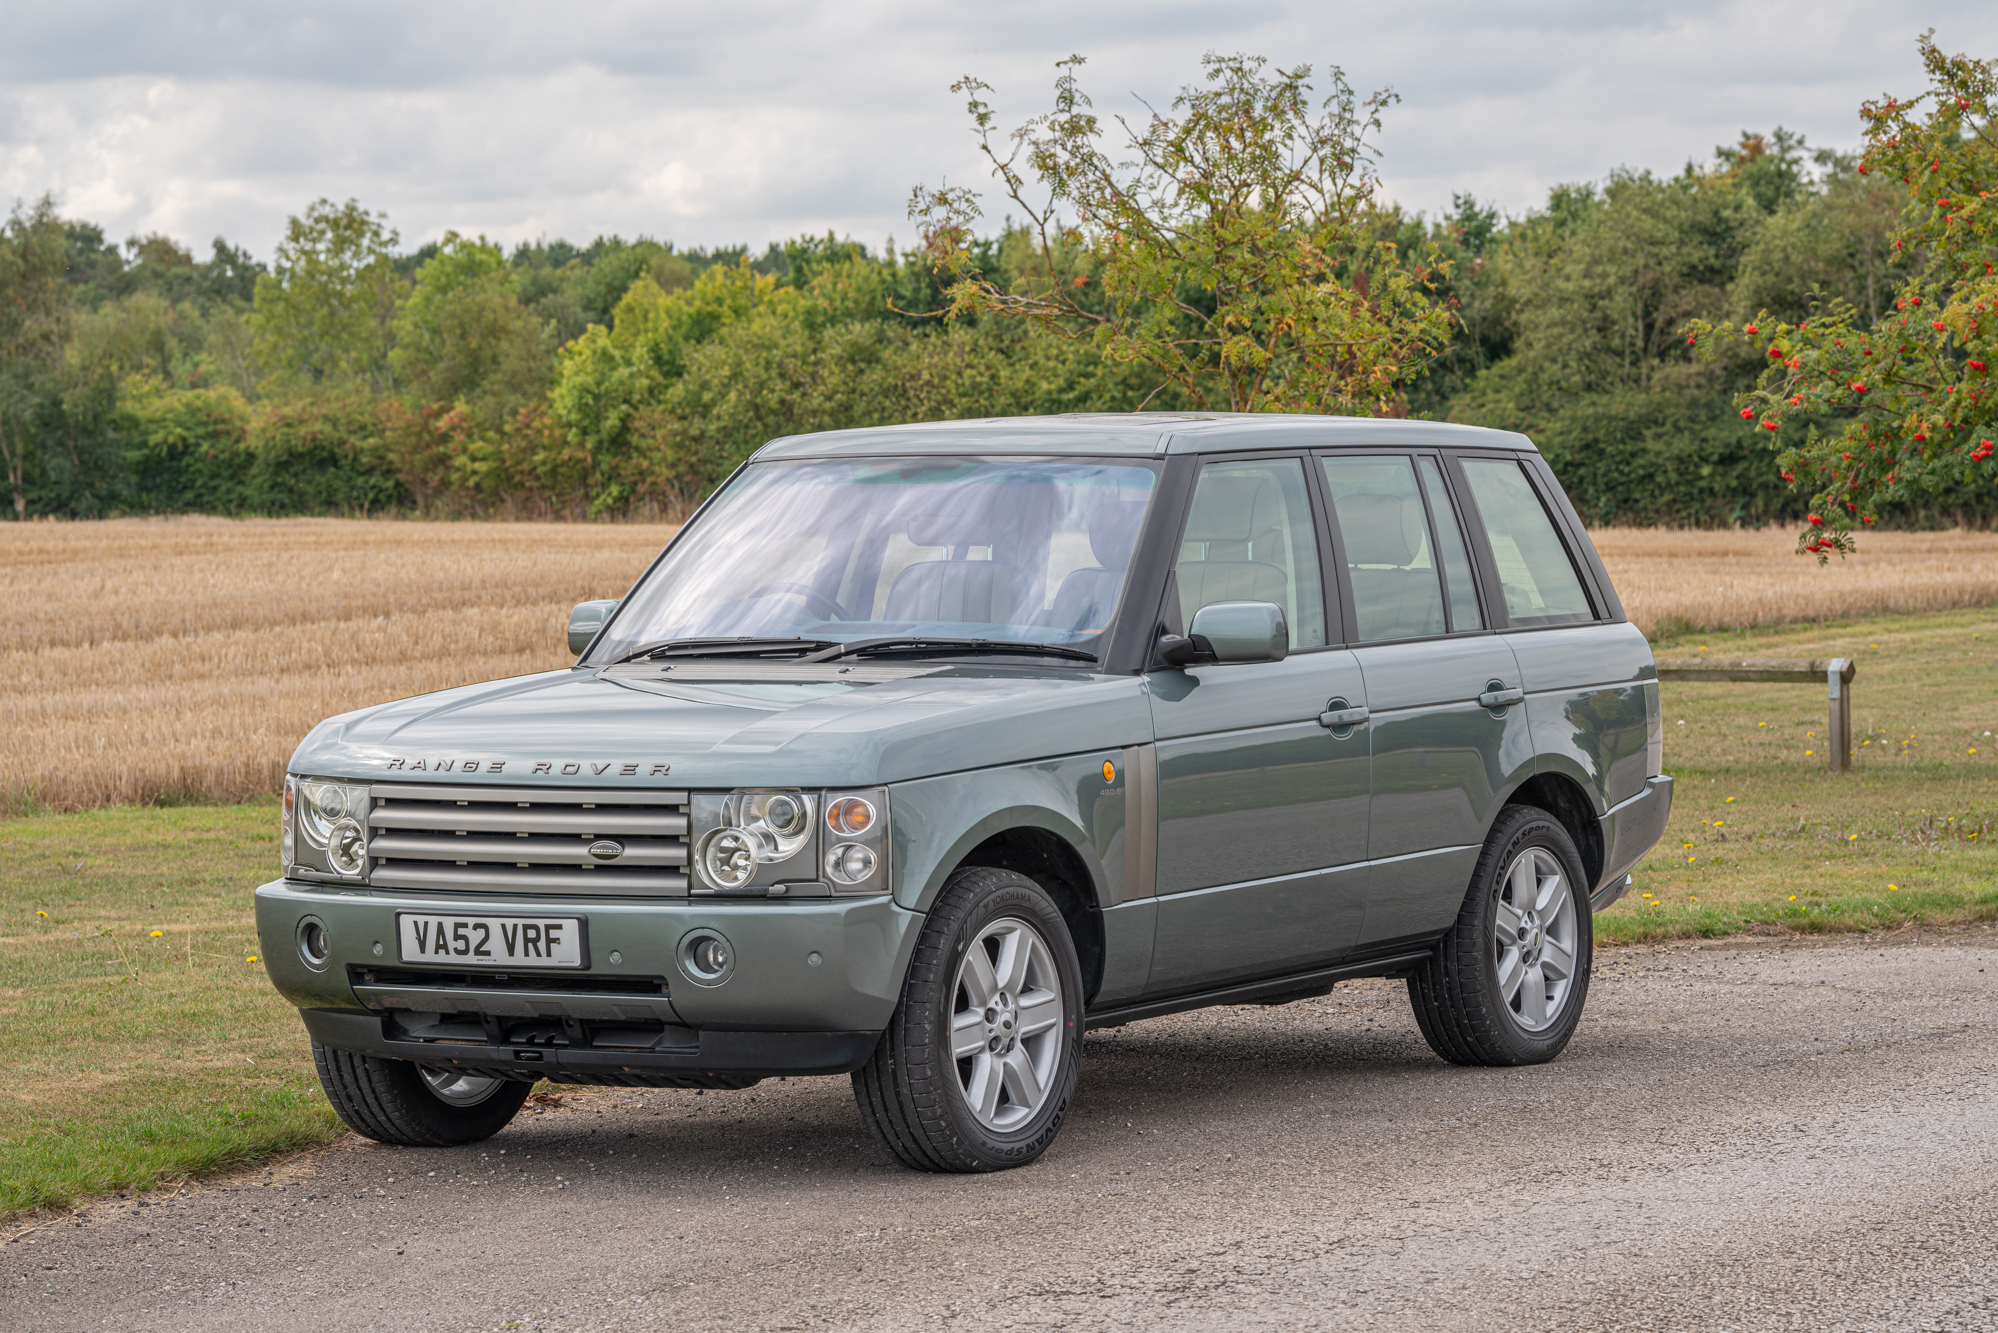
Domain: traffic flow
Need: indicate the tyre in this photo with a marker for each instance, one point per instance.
(417, 1106)
(1507, 982)
(978, 1066)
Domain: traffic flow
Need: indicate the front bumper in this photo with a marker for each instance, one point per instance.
(827, 968)
(709, 1059)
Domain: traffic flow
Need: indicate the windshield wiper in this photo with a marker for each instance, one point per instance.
(747, 646)
(926, 647)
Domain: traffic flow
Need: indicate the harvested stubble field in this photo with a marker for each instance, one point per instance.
(152, 660)
(1672, 580)
(163, 660)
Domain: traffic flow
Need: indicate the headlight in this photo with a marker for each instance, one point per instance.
(781, 822)
(328, 823)
(728, 858)
(288, 825)
(849, 864)
(770, 840)
(321, 805)
(346, 848)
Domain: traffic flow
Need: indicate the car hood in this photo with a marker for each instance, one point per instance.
(712, 725)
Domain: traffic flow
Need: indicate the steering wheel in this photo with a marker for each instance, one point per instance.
(816, 602)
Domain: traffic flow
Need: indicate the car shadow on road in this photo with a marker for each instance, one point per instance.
(1175, 1077)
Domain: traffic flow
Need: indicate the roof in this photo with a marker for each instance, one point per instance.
(1138, 434)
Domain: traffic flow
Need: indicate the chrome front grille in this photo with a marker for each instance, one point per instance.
(527, 840)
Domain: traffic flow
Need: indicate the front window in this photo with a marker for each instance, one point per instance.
(1021, 551)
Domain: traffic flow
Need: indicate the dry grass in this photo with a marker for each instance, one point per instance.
(153, 660)
(159, 660)
(1673, 580)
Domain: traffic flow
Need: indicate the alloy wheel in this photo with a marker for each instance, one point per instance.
(1534, 939)
(455, 1087)
(1006, 1024)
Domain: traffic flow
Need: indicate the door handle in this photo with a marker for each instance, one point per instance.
(1500, 698)
(1338, 718)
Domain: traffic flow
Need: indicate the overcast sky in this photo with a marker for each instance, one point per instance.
(751, 121)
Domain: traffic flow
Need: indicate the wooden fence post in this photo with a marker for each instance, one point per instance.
(1838, 675)
(1836, 672)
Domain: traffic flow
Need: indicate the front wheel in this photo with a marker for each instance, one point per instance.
(417, 1106)
(978, 1065)
(1508, 980)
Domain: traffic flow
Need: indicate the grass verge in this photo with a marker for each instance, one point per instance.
(141, 1044)
(1764, 838)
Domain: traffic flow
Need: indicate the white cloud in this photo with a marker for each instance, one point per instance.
(761, 120)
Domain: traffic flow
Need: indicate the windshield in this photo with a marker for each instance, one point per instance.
(1030, 550)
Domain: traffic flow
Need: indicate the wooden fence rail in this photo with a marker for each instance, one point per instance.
(1835, 672)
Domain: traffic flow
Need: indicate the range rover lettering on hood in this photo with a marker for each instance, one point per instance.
(627, 768)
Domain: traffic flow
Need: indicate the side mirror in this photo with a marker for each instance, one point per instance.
(1231, 632)
(584, 622)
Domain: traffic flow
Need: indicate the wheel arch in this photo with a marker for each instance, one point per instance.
(1053, 863)
(1569, 802)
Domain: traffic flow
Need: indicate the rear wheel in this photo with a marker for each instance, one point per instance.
(978, 1066)
(1507, 983)
(418, 1106)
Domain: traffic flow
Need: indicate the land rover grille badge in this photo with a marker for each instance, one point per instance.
(606, 850)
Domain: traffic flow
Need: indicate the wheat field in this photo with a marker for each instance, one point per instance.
(151, 660)
(1672, 580)
(184, 658)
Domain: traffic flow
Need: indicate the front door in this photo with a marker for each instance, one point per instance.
(1262, 810)
(1447, 738)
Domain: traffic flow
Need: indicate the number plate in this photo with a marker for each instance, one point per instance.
(491, 941)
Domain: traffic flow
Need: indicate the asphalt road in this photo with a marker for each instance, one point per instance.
(1760, 1136)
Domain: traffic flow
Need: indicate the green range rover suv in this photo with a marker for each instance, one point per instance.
(921, 750)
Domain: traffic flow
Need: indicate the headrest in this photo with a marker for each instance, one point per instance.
(1232, 509)
(968, 516)
(1375, 528)
(1113, 531)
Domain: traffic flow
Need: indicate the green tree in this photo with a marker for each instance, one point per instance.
(325, 313)
(1230, 252)
(1867, 413)
(607, 377)
(463, 336)
(185, 448)
(35, 323)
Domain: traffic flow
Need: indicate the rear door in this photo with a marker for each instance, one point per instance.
(1587, 671)
(1262, 810)
(1445, 745)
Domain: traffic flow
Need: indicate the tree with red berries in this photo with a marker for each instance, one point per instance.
(1864, 413)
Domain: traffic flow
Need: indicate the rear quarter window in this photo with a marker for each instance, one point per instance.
(1536, 575)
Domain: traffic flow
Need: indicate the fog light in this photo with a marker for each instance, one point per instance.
(849, 863)
(707, 958)
(313, 946)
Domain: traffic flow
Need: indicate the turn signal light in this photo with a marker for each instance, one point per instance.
(850, 815)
